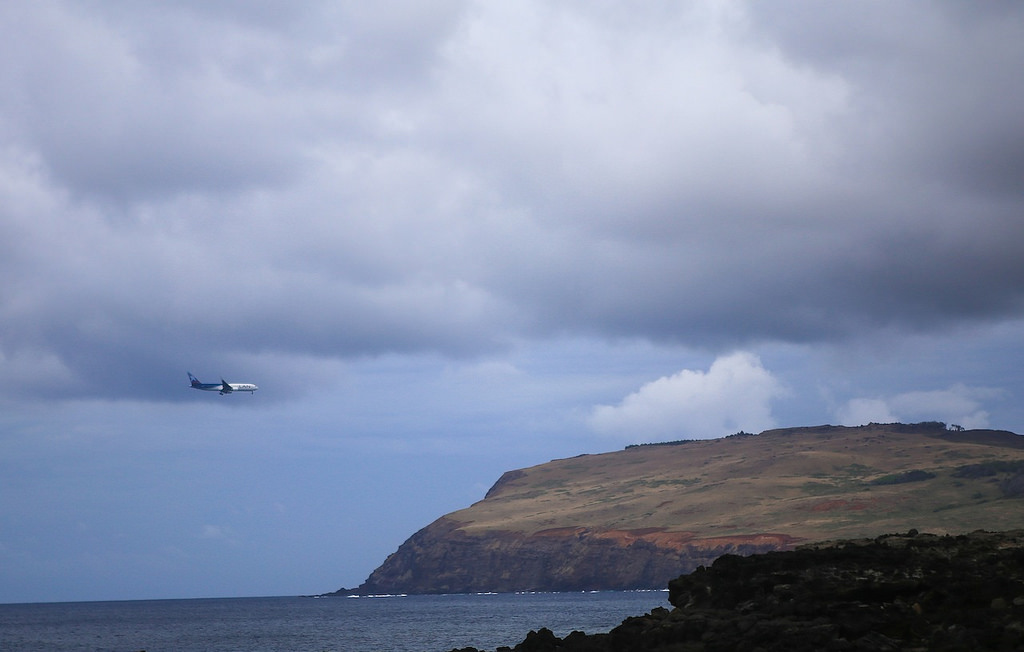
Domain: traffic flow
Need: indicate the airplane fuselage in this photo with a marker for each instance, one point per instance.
(223, 386)
(238, 387)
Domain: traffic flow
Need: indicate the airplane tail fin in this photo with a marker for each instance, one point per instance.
(195, 381)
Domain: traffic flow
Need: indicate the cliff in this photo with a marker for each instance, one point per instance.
(444, 558)
(640, 517)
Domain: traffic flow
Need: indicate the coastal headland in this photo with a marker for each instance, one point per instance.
(640, 517)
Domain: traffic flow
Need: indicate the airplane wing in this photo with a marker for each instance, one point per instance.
(225, 388)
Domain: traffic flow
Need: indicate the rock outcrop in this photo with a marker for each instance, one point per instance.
(894, 592)
(640, 517)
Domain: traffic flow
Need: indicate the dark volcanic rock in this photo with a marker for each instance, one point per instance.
(896, 592)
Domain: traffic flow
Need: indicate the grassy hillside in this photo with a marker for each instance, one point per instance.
(809, 483)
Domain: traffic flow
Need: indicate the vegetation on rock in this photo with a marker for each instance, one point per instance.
(894, 592)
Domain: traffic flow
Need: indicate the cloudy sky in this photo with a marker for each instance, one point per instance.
(452, 238)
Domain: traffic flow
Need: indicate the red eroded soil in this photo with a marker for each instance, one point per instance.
(843, 505)
(677, 541)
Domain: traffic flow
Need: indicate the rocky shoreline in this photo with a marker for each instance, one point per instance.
(895, 592)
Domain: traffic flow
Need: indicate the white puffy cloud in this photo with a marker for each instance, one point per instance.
(958, 404)
(860, 411)
(735, 393)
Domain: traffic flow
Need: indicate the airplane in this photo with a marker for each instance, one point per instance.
(224, 387)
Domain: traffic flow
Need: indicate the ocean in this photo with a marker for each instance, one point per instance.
(434, 623)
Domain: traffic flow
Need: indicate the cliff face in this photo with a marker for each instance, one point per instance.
(640, 517)
(443, 558)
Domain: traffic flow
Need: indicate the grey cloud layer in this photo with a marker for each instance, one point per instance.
(182, 183)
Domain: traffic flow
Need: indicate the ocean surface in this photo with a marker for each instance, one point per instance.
(435, 623)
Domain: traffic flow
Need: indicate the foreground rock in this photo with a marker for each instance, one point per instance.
(634, 519)
(896, 592)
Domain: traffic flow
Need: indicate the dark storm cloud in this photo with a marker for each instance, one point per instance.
(838, 173)
(935, 84)
(226, 184)
(107, 124)
(126, 100)
(452, 238)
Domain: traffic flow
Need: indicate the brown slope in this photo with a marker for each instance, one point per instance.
(639, 517)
